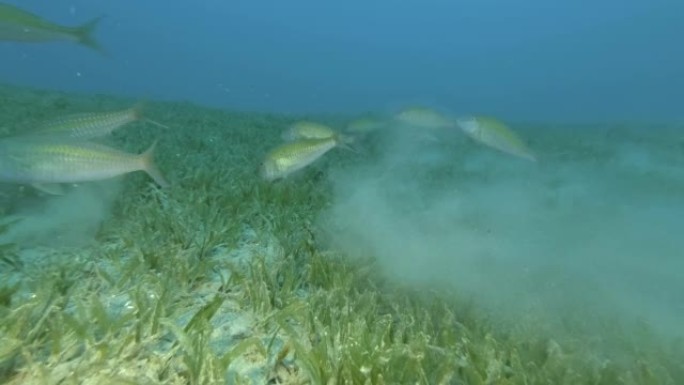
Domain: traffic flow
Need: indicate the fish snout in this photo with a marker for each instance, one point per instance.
(468, 125)
(268, 171)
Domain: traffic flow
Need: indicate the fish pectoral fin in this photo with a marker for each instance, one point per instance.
(344, 142)
(155, 123)
(347, 147)
(49, 188)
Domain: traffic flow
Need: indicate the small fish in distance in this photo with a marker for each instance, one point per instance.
(312, 130)
(494, 133)
(19, 25)
(423, 117)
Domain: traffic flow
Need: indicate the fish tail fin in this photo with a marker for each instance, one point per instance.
(150, 167)
(84, 34)
(138, 111)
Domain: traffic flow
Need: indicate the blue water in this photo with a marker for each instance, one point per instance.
(589, 232)
(601, 60)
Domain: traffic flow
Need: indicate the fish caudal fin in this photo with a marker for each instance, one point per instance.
(84, 35)
(150, 167)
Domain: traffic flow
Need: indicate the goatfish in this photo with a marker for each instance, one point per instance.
(90, 125)
(41, 162)
(312, 130)
(494, 133)
(365, 125)
(290, 157)
(423, 117)
(19, 25)
(307, 130)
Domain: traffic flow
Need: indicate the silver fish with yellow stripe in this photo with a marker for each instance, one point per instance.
(494, 133)
(19, 25)
(365, 125)
(312, 130)
(38, 161)
(307, 130)
(90, 125)
(423, 117)
(290, 157)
